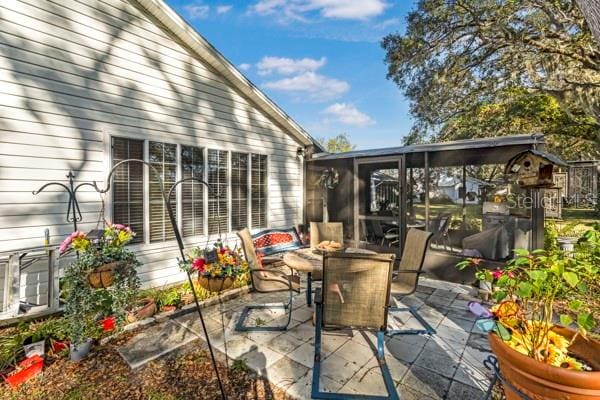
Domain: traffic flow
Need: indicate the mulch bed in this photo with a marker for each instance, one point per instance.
(184, 374)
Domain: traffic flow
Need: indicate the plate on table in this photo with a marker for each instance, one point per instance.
(328, 247)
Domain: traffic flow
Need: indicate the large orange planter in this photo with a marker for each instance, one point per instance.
(541, 381)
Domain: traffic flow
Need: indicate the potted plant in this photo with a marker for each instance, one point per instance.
(537, 357)
(168, 299)
(92, 290)
(217, 266)
(143, 308)
(486, 277)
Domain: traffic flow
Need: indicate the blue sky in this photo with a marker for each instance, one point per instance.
(319, 60)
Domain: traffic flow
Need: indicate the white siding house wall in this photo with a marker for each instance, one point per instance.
(73, 74)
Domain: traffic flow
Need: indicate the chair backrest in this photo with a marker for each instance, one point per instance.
(413, 255)
(272, 241)
(248, 248)
(320, 231)
(439, 225)
(356, 289)
(377, 228)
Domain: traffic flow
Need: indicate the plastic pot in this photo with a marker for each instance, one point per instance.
(80, 351)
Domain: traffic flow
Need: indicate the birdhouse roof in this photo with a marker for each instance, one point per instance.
(549, 157)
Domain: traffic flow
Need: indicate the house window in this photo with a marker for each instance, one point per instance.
(192, 192)
(217, 197)
(163, 157)
(258, 184)
(239, 191)
(128, 185)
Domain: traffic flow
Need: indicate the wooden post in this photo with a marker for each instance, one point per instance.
(53, 283)
(537, 220)
(426, 190)
(464, 197)
(12, 284)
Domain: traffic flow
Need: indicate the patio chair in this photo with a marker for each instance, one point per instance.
(355, 293)
(266, 281)
(406, 278)
(389, 235)
(440, 226)
(320, 231)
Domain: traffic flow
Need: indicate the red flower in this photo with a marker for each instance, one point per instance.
(198, 264)
(223, 250)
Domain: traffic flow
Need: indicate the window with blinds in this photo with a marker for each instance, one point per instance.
(163, 157)
(128, 185)
(217, 196)
(239, 191)
(192, 193)
(258, 184)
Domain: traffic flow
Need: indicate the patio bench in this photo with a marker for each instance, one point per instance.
(272, 244)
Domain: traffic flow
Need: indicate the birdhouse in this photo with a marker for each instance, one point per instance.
(533, 168)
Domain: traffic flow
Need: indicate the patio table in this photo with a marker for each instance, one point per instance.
(311, 262)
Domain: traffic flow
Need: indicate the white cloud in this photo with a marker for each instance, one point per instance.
(289, 66)
(348, 114)
(196, 11)
(245, 66)
(315, 86)
(337, 9)
(224, 9)
(388, 23)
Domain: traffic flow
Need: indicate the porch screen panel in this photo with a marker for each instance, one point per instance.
(258, 184)
(163, 157)
(128, 185)
(239, 191)
(217, 196)
(192, 193)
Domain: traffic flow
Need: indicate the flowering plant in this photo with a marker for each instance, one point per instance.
(218, 261)
(83, 302)
(482, 273)
(526, 293)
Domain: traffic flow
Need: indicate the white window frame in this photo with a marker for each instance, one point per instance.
(179, 173)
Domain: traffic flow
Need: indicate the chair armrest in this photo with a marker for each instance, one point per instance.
(410, 271)
(392, 230)
(273, 271)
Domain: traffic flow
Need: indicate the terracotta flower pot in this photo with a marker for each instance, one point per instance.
(145, 309)
(215, 284)
(103, 276)
(539, 381)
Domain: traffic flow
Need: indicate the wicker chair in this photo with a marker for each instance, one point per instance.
(406, 278)
(266, 281)
(355, 293)
(320, 231)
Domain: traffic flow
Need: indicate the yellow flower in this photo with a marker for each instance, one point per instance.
(571, 363)
(559, 341)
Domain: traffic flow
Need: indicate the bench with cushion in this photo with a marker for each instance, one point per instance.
(271, 244)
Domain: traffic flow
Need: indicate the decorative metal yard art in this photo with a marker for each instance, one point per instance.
(73, 211)
(167, 201)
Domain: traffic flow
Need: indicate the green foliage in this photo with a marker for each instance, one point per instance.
(240, 365)
(84, 304)
(168, 297)
(338, 144)
(476, 68)
(11, 347)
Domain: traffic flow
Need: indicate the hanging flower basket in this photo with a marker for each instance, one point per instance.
(215, 284)
(102, 277)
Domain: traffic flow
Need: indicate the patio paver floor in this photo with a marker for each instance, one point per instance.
(447, 365)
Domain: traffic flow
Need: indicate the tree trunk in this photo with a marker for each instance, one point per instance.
(591, 11)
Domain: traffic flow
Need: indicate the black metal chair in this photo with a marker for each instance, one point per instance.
(266, 281)
(440, 226)
(354, 294)
(406, 278)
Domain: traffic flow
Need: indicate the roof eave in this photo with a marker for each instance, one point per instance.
(207, 52)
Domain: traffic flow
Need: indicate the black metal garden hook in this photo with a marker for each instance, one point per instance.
(73, 211)
(167, 201)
